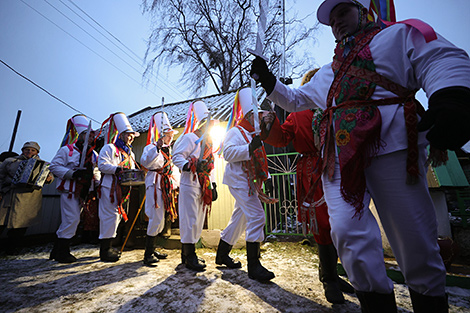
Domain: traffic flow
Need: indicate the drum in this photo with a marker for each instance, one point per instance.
(31, 173)
(131, 177)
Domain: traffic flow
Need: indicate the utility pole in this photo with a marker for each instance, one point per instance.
(15, 129)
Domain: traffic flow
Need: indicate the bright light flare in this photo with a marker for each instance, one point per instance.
(217, 134)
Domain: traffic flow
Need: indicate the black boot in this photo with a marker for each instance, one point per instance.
(328, 274)
(255, 269)
(149, 258)
(344, 286)
(62, 254)
(422, 303)
(54, 250)
(223, 258)
(183, 258)
(374, 302)
(15, 240)
(160, 255)
(108, 254)
(190, 257)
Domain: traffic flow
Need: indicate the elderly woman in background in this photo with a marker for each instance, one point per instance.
(20, 206)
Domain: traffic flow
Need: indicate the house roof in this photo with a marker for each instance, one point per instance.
(220, 106)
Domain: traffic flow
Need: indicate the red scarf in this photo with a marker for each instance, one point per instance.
(204, 175)
(257, 167)
(166, 185)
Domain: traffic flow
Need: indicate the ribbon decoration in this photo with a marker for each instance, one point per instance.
(385, 11)
(161, 120)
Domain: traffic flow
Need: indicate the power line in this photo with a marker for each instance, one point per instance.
(87, 47)
(43, 89)
(81, 10)
(102, 44)
(162, 81)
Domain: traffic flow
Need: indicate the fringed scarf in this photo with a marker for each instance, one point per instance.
(203, 175)
(166, 185)
(256, 168)
(126, 163)
(357, 128)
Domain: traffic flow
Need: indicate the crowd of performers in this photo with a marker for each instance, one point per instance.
(361, 135)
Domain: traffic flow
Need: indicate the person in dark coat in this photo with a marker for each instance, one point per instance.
(20, 206)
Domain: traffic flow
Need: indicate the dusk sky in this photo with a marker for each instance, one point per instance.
(40, 39)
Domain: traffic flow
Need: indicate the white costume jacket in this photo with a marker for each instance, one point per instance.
(236, 150)
(109, 159)
(153, 160)
(184, 148)
(66, 161)
(190, 205)
(248, 214)
(400, 54)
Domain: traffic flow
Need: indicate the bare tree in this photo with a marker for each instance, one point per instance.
(209, 39)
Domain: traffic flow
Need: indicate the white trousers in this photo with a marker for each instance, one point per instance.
(108, 214)
(248, 214)
(191, 214)
(409, 221)
(156, 215)
(69, 216)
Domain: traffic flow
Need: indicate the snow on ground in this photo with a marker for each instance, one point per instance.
(32, 283)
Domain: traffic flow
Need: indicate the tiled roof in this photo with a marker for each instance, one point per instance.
(220, 106)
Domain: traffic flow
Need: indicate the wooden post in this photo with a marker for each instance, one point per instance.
(15, 129)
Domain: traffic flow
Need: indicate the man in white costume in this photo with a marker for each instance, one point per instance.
(248, 215)
(160, 183)
(74, 183)
(114, 157)
(195, 198)
(372, 148)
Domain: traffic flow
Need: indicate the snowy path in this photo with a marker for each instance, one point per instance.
(32, 283)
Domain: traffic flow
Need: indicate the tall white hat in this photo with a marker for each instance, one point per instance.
(200, 110)
(164, 126)
(246, 101)
(80, 122)
(324, 10)
(244, 98)
(123, 125)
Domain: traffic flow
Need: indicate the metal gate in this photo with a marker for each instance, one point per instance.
(281, 217)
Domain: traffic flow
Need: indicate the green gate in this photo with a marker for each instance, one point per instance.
(281, 217)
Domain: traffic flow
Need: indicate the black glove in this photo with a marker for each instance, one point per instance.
(82, 174)
(201, 166)
(254, 144)
(448, 118)
(268, 186)
(118, 170)
(261, 73)
(159, 144)
(186, 167)
(214, 192)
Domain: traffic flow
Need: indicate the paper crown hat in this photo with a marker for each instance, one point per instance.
(196, 113)
(118, 124)
(246, 101)
(324, 10)
(75, 126)
(159, 124)
(242, 105)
